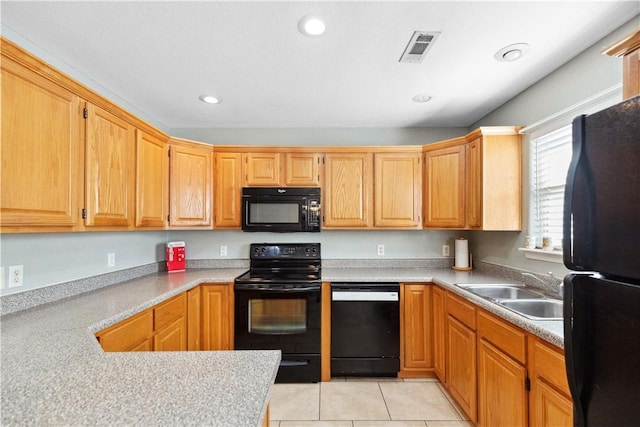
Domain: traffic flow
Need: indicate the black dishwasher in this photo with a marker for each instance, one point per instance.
(365, 329)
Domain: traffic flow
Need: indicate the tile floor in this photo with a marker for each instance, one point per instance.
(365, 402)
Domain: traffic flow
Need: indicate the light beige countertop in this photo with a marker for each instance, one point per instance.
(54, 372)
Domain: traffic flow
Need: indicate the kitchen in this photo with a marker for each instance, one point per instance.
(43, 254)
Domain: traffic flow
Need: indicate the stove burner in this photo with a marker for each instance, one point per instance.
(283, 263)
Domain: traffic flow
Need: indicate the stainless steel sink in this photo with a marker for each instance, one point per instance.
(502, 291)
(540, 309)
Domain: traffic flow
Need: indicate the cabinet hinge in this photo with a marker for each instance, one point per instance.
(167, 218)
(527, 384)
(84, 213)
(85, 113)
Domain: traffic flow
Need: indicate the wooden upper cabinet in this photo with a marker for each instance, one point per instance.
(494, 179)
(190, 191)
(629, 50)
(262, 169)
(110, 166)
(474, 183)
(302, 169)
(41, 151)
(348, 190)
(444, 192)
(228, 190)
(398, 190)
(152, 181)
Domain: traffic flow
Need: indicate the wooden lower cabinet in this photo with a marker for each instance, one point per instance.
(132, 334)
(217, 316)
(194, 314)
(502, 397)
(198, 319)
(549, 400)
(416, 339)
(172, 337)
(439, 334)
(461, 366)
(170, 324)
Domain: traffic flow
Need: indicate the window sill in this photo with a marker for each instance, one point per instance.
(542, 255)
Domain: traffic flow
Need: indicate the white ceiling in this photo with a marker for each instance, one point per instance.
(159, 56)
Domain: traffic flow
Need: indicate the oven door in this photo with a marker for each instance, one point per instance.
(286, 319)
(278, 317)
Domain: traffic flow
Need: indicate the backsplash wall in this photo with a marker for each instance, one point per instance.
(54, 258)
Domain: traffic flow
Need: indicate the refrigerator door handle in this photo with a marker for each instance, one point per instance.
(569, 353)
(577, 203)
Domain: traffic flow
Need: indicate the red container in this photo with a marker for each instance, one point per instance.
(176, 257)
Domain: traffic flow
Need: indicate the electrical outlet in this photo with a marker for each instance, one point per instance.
(2, 278)
(223, 250)
(446, 250)
(111, 259)
(16, 273)
(380, 250)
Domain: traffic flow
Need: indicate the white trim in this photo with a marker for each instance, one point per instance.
(594, 103)
(542, 255)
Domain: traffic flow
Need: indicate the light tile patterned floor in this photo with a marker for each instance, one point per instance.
(365, 402)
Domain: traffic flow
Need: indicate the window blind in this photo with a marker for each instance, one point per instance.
(550, 157)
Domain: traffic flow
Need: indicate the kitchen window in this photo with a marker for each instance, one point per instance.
(550, 156)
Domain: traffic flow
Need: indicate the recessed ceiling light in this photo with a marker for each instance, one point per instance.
(421, 98)
(311, 26)
(209, 99)
(511, 53)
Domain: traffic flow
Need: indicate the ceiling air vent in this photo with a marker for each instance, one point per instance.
(418, 46)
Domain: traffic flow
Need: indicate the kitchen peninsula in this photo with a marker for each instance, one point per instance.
(54, 371)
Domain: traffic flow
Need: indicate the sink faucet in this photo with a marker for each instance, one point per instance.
(560, 284)
(557, 282)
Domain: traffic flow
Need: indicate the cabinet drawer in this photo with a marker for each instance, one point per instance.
(127, 334)
(461, 310)
(169, 311)
(549, 364)
(504, 336)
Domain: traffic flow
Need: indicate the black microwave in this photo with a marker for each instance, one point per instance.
(281, 209)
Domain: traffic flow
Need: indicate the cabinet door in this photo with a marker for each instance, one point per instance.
(398, 190)
(502, 398)
(228, 190)
(42, 151)
(217, 312)
(445, 187)
(172, 337)
(109, 165)
(348, 187)
(302, 169)
(549, 401)
(439, 334)
(128, 334)
(501, 186)
(194, 321)
(474, 183)
(262, 169)
(417, 330)
(152, 181)
(190, 186)
(461, 366)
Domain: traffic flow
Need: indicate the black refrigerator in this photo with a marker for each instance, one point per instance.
(601, 243)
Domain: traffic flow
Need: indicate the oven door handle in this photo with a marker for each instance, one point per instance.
(313, 288)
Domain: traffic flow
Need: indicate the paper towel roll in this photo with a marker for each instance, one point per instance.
(462, 252)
